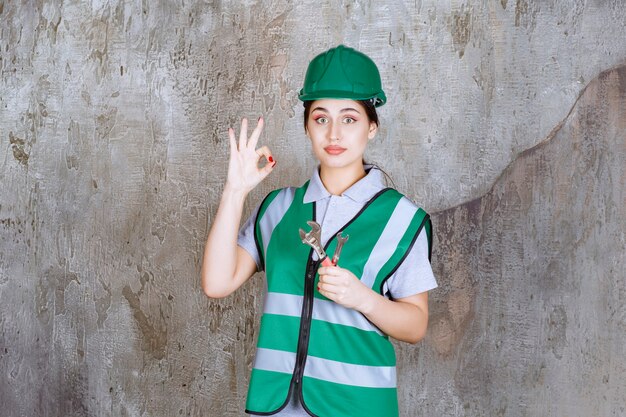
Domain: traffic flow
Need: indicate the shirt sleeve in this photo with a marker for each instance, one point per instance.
(414, 275)
(245, 238)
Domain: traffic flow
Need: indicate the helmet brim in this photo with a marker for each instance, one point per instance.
(379, 98)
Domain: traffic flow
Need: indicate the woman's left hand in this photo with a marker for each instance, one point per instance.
(343, 287)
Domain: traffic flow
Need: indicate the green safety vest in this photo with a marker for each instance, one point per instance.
(337, 361)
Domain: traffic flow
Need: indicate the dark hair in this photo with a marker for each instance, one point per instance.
(368, 105)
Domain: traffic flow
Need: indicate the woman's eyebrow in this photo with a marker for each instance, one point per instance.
(349, 109)
(340, 111)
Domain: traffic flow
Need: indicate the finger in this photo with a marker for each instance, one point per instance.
(267, 169)
(325, 293)
(332, 279)
(332, 290)
(232, 140)
(256, 133)
(264, 151)
(243, 133)
(322, 288)
(329, 270)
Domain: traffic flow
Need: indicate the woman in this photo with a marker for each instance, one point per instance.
(323, 347)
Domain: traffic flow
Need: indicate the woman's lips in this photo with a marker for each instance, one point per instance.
(334, 150)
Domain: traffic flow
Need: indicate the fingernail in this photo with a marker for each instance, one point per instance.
(270, 159)
(259, 119)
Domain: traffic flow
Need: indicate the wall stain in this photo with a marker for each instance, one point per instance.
(217, 312)
(18, 146)
(51, 289)
(103, 304)
(154, 341)
(557, 331)
(72, 154)
(153, 327)
(526, 14)
(461, 30)
(521, 8)
(105, 122)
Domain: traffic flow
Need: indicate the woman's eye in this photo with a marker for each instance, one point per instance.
(349, 120)
(321, 120)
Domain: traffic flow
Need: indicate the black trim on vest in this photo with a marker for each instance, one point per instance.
(256, 240)
(305, 330)
(271, 413)
(305, 324)
(419, 230)
(429, 225)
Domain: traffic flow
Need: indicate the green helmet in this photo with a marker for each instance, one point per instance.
(343, 73)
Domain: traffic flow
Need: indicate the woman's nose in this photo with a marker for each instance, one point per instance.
(335, 131)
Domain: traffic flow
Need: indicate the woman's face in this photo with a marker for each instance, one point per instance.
(339, 131)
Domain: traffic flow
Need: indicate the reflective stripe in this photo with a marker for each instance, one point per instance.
(274, 213)
(349, 374)
(275, 360)
(324, 310)
(388, 241)
(283, 304)
(332, 312)
(327, 370)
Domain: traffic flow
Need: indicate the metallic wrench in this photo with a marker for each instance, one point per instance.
(314, 240)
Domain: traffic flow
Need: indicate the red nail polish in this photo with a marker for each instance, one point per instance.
(270, 159)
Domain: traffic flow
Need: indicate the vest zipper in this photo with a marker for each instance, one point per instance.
(305, 324)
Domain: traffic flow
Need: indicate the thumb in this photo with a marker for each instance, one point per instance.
(265, 152)
(269, 167)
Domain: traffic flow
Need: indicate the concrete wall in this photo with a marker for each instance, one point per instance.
(502, 122)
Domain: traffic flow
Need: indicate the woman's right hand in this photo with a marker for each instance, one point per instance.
(243, 168)
(226, 266)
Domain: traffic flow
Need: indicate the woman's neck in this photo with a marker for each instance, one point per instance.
(338, 180)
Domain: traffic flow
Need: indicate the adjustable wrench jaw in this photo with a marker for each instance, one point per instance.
(313, 239)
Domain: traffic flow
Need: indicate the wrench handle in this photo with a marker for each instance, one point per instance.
(327, 262)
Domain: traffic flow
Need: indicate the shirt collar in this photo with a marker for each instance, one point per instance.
(361, 191)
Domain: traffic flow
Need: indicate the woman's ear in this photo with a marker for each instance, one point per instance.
(373, 130)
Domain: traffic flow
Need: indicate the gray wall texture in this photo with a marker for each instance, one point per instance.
(506, 121)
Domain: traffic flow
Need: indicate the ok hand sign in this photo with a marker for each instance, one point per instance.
(243, 168)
